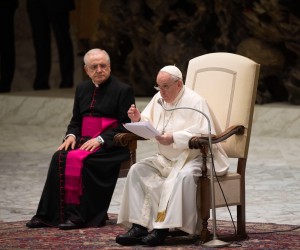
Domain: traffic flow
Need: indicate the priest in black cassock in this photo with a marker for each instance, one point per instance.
(84, 170)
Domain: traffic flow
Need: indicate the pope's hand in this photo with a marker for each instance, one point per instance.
(133, 113)
(165, 139)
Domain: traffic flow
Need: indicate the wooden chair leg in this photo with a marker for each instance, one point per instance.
(241, 209)
(241, 222)
(204, 208)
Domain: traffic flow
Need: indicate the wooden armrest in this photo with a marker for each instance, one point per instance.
(124, 139)
(196, 141)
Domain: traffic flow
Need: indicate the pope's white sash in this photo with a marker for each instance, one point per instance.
(169, 184)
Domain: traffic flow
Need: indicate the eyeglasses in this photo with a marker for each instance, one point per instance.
(95, 66)
(164, 86)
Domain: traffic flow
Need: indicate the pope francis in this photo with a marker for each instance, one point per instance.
(160, 191)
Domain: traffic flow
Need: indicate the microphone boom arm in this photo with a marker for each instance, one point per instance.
(214, 242)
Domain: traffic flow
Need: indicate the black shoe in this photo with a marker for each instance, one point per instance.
(133, 236)
(69, 225)
(156, 237)
(35, 223)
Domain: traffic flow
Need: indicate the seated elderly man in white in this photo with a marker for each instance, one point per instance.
(160, 191)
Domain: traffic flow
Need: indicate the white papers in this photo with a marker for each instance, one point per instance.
(143, 129)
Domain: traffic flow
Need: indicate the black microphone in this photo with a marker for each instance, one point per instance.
(160, 102)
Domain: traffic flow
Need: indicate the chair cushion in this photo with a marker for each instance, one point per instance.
(230, 184)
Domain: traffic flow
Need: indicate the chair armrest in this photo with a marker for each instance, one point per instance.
(196, 141)
(128, 140)
(124, 139)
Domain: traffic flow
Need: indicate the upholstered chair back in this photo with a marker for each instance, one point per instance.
(227, 81)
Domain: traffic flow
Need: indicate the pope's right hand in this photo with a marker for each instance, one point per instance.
(134, 114)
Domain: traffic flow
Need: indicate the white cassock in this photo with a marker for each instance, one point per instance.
(160, 191)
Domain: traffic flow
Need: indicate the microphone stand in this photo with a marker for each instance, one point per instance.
(215, 242)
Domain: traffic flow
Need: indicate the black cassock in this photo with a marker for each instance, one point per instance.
(111, 99)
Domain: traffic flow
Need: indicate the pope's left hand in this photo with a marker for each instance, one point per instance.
(165, 139)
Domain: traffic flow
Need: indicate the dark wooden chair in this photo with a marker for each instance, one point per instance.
(127, 140)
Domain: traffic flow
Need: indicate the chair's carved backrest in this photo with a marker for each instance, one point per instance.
(228, 82)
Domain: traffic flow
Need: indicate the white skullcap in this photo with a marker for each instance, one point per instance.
(172, 70)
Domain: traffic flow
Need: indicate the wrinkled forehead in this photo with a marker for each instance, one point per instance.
(164, 77)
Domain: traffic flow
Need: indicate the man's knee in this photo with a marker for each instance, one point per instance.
(188, 174)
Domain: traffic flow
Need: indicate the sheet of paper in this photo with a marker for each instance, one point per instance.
(143, 129)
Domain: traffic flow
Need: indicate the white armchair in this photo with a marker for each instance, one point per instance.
(228, 82)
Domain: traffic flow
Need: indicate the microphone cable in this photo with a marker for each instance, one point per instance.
(160, 102)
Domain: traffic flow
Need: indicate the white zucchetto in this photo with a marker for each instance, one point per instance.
(172, 70)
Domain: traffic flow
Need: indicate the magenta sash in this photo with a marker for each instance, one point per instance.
(91, 127)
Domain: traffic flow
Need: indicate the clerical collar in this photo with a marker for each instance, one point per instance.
(97, 85)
